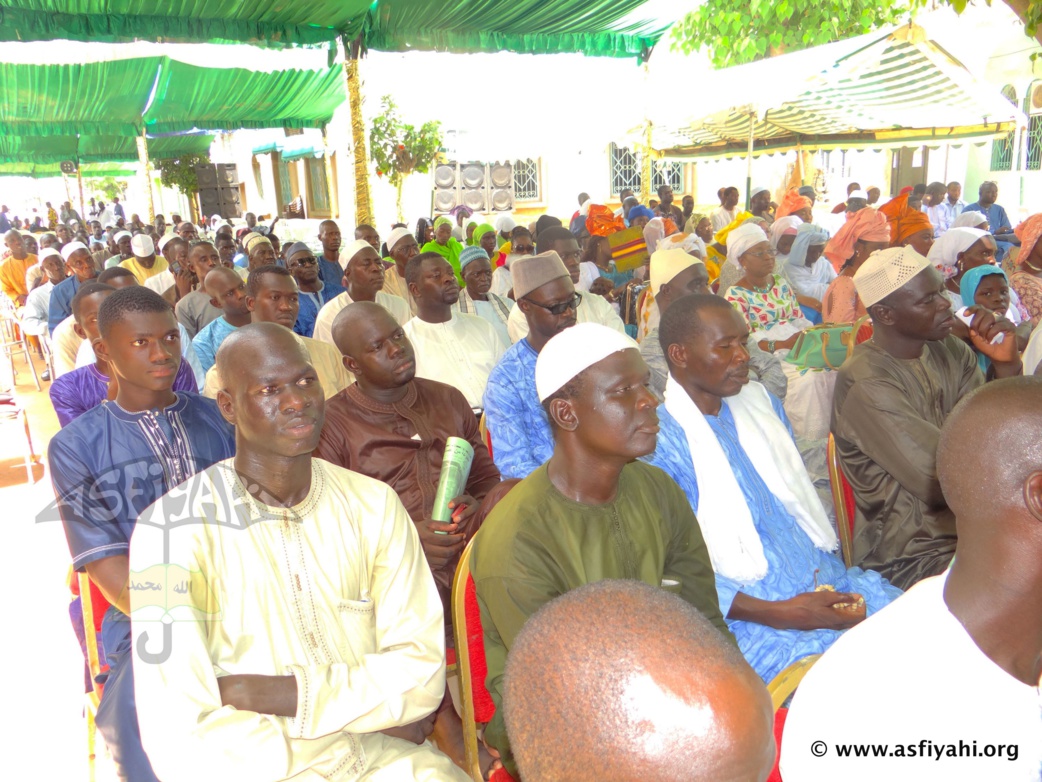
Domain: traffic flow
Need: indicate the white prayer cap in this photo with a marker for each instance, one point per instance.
(120, 235)
(667, 264)
(574, 350)
(351, 250)
(47, 252)
(142, 246)
(396, 236)
(756, 191)
(858, 194)
(72, 247)
(886, 271)
(165, 240)
(505, 224)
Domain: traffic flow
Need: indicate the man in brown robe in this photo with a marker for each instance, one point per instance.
(891, 399)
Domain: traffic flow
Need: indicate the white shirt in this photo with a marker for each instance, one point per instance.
(592, 308)
(502, 282)
(65, 343)
(460, 352)
(588, 274)
(1032, 355)
(395, 305)
(160, 283)
(721, 218)
(34, 314)
(909, 674)
(325, 358)
(334, 591)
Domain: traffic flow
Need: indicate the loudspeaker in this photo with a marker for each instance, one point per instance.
(219, 175)
(482, 187)
(446, 187)
(223, 201)
(227, 174)
(206, 176)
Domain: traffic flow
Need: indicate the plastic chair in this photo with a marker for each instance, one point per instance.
(843, 499)
(486, 438)
(785, 683)
(14, 340)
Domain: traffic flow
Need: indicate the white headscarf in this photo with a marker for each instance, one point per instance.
(781, 225)
(741, 239)
(945, 252)
(969, 220)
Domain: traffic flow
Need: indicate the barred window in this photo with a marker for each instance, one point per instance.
(1033, 108)
(526, 180)
(625, 171)
(1002, 148)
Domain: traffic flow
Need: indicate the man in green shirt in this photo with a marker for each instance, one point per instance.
(591, 512)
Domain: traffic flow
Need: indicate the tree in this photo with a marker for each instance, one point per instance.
(735, 33)
(108, 187)
(179, 173)
(399, 149)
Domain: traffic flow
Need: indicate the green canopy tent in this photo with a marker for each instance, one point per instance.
(613, 28)
(98, 149)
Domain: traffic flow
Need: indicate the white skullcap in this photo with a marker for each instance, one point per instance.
(573, 350)
(505, 224)
(72, 247)
(756, 191)
(859, 194)
(215, 218)
(667, 264)
(165, 240)
(351, 250)
(47, 252)
(886, 271)
(120, 235)
(396, 236)
(142, 246)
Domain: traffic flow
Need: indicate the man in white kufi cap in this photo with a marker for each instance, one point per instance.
(592, 511)
(401, 246)
(121, 248)
(145, 264)
(891, 399)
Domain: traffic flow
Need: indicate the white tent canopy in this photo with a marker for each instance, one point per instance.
(890, 85)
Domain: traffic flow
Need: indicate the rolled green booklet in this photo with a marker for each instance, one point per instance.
(455, 469)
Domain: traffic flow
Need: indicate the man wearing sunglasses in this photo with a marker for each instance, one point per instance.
(303, 265)
(595, 309)
(520, 430)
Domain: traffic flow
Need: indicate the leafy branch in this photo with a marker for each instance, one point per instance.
(400, 149)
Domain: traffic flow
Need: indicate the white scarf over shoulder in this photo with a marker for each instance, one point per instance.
(727, 525)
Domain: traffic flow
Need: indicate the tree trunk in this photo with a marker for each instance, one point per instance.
(363, 205)
(398, 199)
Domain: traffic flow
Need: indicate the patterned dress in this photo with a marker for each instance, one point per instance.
(765, 311)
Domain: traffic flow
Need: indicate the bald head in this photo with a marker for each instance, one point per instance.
(246, 350)
(985, 487)
(630, 712)
(216, 279)
(353, 323)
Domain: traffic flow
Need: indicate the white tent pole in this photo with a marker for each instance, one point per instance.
(749, 162)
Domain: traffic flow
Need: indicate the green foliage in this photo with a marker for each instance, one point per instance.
(109, 187)
(735, 33)
(179, 172)
(400, 149)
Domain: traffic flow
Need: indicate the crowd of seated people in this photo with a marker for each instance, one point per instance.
(265, 424)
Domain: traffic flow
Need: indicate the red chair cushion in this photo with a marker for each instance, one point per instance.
(848, 501)
(484, 707)
(779, 727)
(501, 775)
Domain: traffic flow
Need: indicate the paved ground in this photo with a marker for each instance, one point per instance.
(43, 685)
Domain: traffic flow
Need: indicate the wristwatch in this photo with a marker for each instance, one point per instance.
(770, 346)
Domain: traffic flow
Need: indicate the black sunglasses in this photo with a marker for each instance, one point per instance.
(563, 307)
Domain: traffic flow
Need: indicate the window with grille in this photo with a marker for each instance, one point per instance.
(625, 172)
(1002, 148)
(526, 180)
(1033, 108)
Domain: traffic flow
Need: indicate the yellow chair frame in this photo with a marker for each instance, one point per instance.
(846, 542)
(463, 670)
(785, 683)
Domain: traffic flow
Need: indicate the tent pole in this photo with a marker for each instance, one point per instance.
(142, 156)
(334, 196)
(363, 204)
(749, 162)
(799, 160)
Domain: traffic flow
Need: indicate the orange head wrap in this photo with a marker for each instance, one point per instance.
(791, 203)
(1028, 232)
(903, 220)
(867, 225)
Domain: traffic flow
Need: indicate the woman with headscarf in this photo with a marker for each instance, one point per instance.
(1027, 279)
(460, 214)
(639, 216)
(424, 231)
(783, 234)
(469, 226)
(841, 304)
(972, 220)
(730, 271)
(444, 245)
(908, 227)
(763, 297)
(794, 204)
(864, 232)
(810, 272)
(956, 252)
